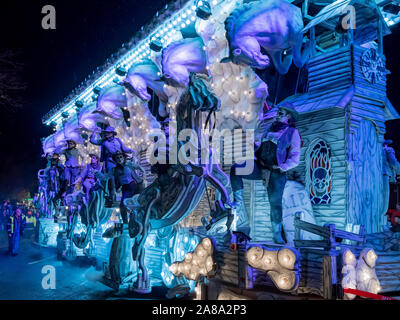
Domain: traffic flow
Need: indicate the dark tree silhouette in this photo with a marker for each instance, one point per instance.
(11, 83)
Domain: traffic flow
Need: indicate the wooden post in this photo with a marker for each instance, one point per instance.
(332, 241)
(313, 42)
(329, 276)
(297, 230)
(380, 37)
(362, 233)
(244, 278)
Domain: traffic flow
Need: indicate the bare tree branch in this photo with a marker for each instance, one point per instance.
(11, 84)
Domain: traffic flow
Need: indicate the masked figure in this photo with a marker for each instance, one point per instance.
(71, 164)
(110, 145)
(88, 175)
(125, 175)
(278, 151)
(56, 182)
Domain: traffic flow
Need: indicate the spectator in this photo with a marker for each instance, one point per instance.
(15, 228)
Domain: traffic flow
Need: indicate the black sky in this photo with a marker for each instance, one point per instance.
(57, 61)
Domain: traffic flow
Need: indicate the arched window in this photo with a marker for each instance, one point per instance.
(319, 173)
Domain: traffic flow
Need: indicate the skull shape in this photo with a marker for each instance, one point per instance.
(320, 181)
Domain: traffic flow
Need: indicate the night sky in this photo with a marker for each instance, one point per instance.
(57, 61)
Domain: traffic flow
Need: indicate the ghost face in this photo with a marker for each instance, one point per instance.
(176, 76)
(282, 116)
(320, 181)
(137, 86)
(120, 159)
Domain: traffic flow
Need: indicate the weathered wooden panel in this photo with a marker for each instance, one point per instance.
(368, 114)
(356, 120)
(388, 271)
(364, 203)
(371, 93)
(102, 247)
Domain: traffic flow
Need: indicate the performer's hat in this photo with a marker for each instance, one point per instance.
(387, 141)
(94, 155)
(289, 107)
(110, 129)
(118, 153)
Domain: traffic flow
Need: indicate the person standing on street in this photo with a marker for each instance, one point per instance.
(15, 229)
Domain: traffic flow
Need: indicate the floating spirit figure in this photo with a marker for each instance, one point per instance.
(275, 26)
(143, 75)
(278, 152)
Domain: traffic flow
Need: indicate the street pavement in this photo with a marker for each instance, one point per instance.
(21, 276)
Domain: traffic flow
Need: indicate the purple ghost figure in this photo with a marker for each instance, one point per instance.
(88, 117)
(145, 75)
(72, 131)
(111, 100)
(182, 57)
(59, 139)
(48, 145)
(275, 26)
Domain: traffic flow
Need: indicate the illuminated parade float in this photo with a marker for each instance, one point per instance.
(232, 150)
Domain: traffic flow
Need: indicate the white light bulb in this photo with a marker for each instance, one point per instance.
(268, 260)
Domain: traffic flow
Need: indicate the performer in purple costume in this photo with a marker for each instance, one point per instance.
(88, 175)
(71, 164)
(109, 145)
(124, 175)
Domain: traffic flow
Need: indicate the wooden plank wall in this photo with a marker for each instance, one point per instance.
(329, 125)
(388, 271)
(366, 119)
(331, 69)
(102, 247)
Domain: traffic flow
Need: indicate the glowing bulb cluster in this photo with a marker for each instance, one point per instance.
(197, 263)
(279, 265)
(360, 274)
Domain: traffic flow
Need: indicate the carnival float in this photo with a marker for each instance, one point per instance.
(182, 103)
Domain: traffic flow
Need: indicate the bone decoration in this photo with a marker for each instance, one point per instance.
(349, 276)
(280, 265)
(366, 275)
(198, 263)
